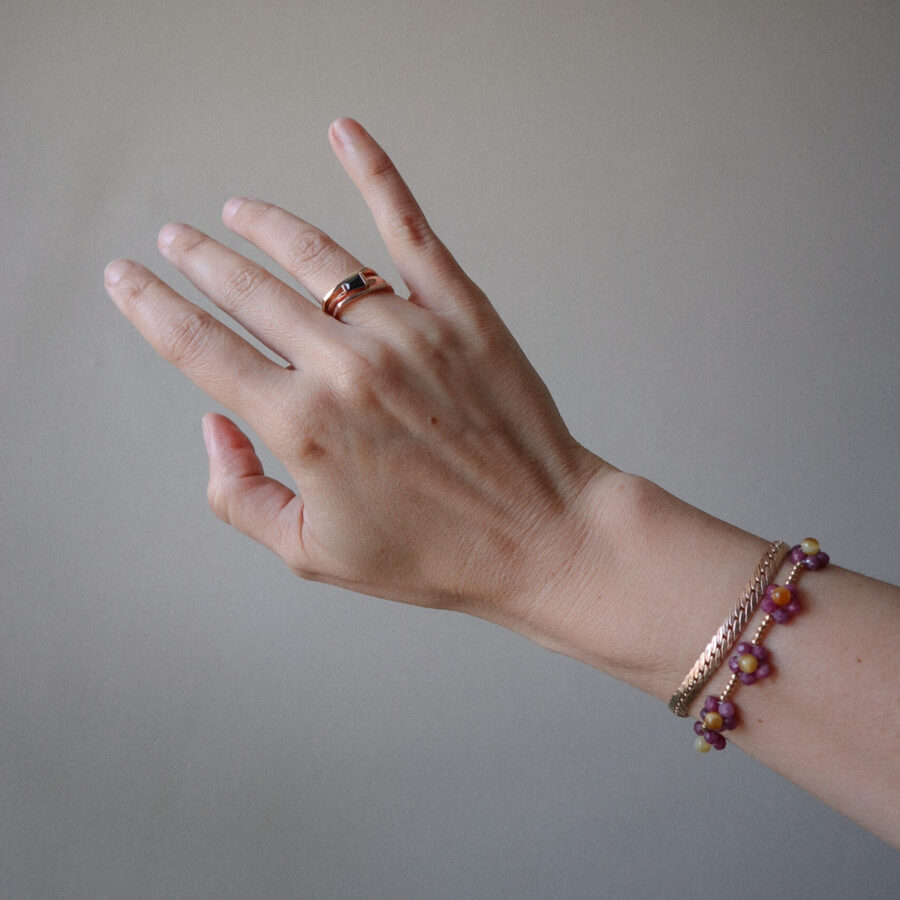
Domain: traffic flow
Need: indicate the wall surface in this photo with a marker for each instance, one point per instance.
(713, 186)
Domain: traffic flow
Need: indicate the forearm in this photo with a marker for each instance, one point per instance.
(655, 582)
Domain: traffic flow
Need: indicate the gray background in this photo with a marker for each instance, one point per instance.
(713, 186)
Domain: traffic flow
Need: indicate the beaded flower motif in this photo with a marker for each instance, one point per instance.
(810, 555)
(750, 663)
(781, 602)
(717, 716)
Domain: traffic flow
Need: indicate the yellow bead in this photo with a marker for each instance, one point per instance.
(748, 663)
(713, 721)
(810, 546)
(781, 596)
(701, 745)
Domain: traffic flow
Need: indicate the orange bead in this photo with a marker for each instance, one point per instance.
(781, 596)
(713, 721)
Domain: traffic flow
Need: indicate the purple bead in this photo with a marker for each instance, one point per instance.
(763, 671)
(819, 561)
(733, 664)
(748, 678)
(793, 608)
(729, 723)
(797, 554)
(744, 647)
(727, 709)
(781, 616)
(698, 728)
(712, 703)
(769, 605)
(760, 652)
(710, 736)
(720, 743)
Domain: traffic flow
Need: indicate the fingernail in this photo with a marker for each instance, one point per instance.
(232, 206)
(169, 232)
(115, 270)
(347, 131)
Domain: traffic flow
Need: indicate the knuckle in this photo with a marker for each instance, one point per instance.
(306, 250)
(384, 367)
(487, 342)
(379, 166)
(310, 450)
(353, 381)
(313, 410)
(443, 338)
(411, 228)
(251, 213)
(380, 358)
(438, 345)
(187, 241)
(187, 337)
(243, 283)
(485, 334)
(215, 496)
(362, 378)
(131, 290)
(304, 433)
(301, 426)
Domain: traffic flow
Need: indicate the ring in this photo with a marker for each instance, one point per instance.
(351, 288)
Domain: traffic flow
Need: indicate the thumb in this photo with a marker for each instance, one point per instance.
(241, 495)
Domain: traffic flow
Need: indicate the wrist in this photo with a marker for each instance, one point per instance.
(648, 580)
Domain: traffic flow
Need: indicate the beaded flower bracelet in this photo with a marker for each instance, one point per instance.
(751, 662)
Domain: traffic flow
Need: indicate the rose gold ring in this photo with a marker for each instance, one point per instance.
(350, 289)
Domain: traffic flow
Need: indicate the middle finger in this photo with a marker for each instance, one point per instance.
(310, 255)
(267, 307)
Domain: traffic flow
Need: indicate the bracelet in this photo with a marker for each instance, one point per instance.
(752, 662)
(724, 639)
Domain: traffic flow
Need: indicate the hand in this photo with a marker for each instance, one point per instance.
(432, 467)
(430, 463)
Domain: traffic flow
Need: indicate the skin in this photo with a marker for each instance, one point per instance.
(430, 466)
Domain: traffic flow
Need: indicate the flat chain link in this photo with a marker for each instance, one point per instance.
(726, 637)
